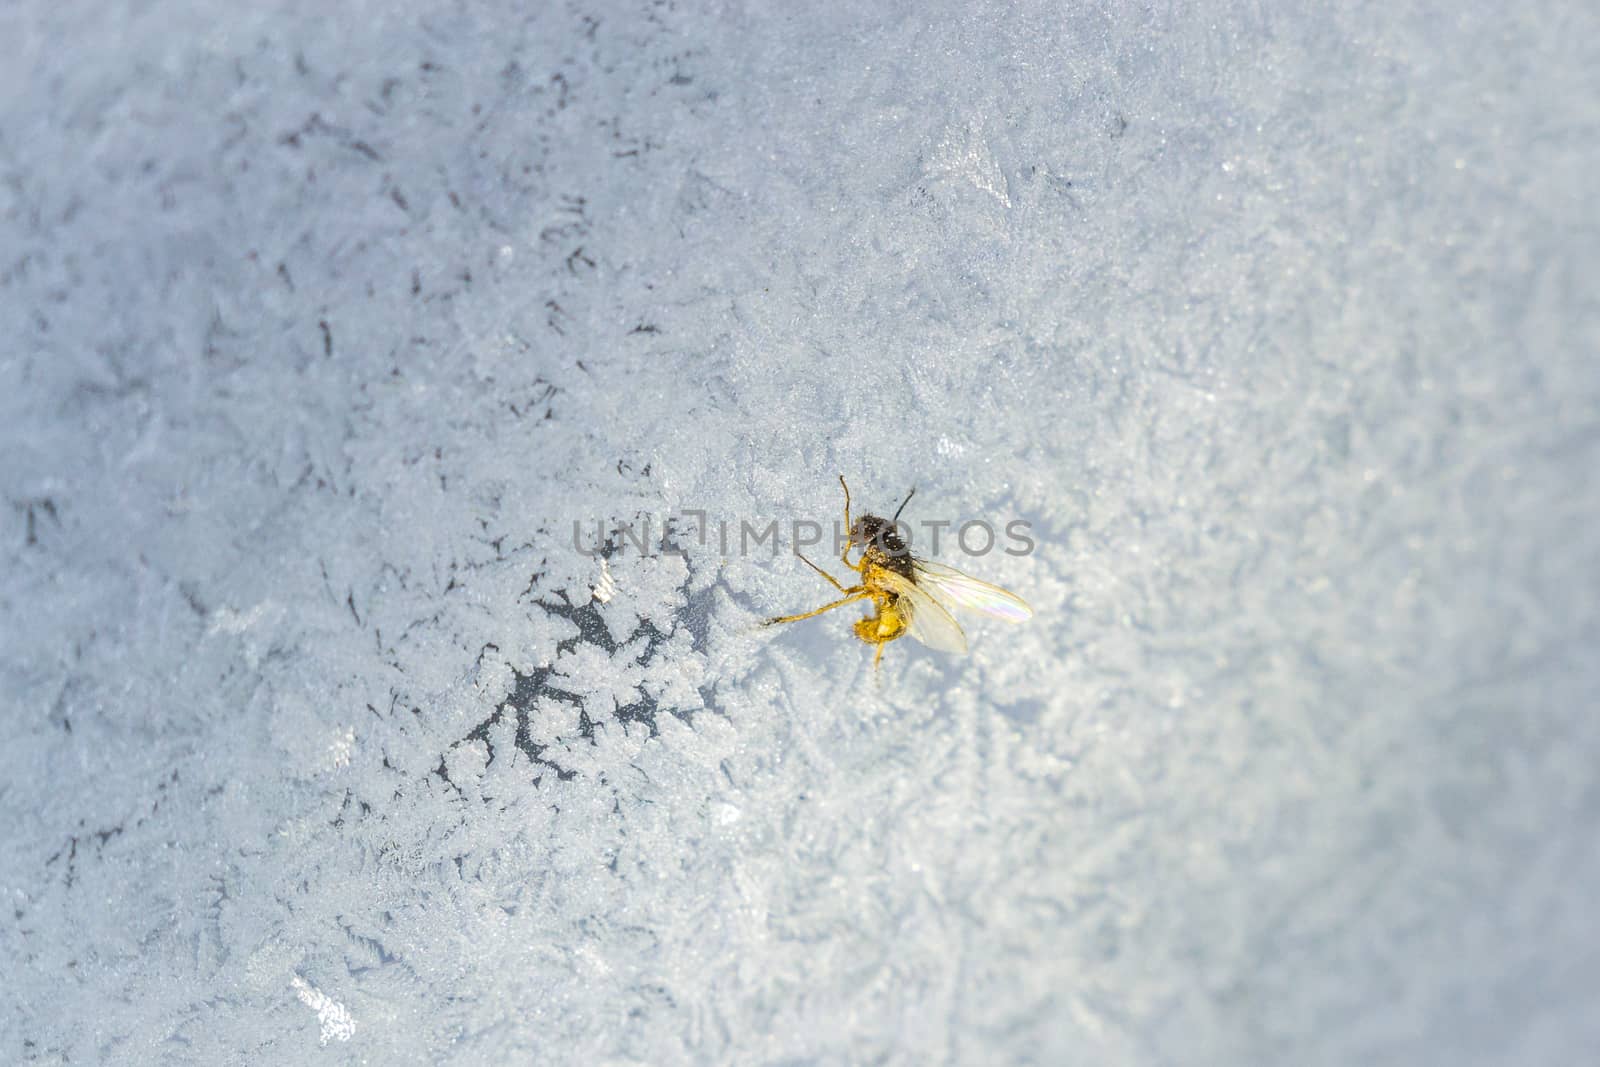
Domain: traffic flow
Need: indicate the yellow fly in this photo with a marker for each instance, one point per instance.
(908, 595)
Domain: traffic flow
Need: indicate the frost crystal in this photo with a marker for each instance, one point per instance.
(335, 1020)
(324, 325)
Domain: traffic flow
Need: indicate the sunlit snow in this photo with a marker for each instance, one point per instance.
(323, 325)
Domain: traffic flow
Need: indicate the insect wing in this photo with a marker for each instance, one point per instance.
(926, 619)
(965, 591)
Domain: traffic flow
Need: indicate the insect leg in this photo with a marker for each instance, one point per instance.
(831, 579)
(852, 598)
(844, 557)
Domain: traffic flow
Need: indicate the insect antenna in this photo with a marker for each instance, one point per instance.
(903, 504)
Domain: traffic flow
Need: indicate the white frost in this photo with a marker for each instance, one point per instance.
(333, 1016)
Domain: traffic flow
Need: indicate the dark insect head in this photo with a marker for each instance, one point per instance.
(882, 534)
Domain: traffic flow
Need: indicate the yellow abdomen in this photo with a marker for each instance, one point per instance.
(886, 625)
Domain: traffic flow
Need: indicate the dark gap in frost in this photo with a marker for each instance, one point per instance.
(592, 629)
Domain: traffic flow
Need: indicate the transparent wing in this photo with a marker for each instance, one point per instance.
(926, 619)
(965, 591)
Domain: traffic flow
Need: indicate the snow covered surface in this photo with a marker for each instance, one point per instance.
(320, 330)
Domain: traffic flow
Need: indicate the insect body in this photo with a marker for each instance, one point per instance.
(908, 595)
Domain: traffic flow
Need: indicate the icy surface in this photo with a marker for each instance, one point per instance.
(319, 330)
